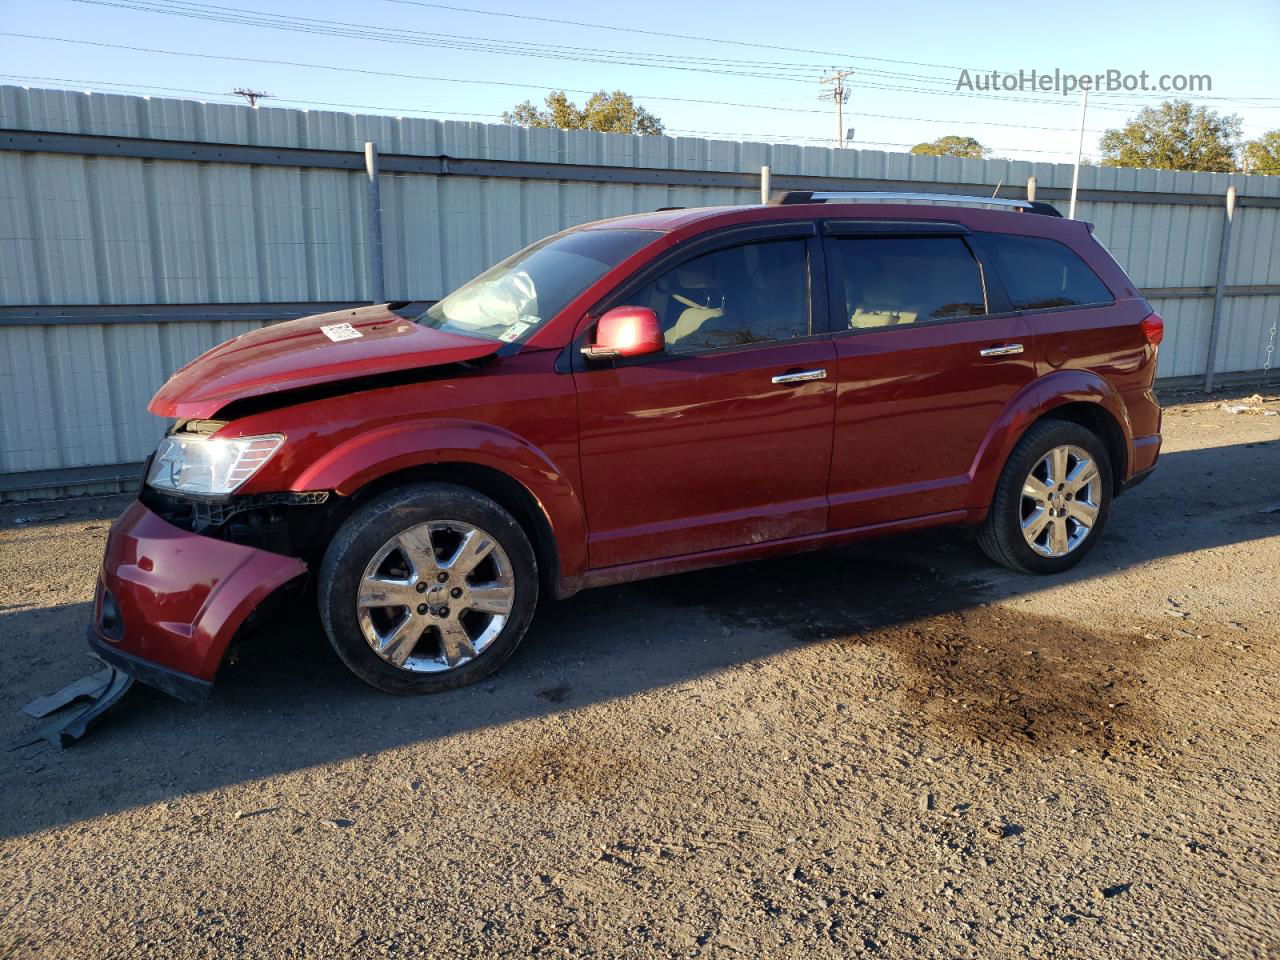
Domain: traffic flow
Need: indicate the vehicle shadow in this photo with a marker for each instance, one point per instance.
(286, 702)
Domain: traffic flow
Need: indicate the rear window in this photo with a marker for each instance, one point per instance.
(1040, 274)
(890, 281)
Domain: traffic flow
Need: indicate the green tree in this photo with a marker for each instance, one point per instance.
(1175, 136)
(604, 112)
(1262, 155)
(951, 146)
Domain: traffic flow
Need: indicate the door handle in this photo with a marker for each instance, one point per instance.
(800, 376)
(1004, 350)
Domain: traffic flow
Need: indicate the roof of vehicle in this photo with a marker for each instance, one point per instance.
(698, 219)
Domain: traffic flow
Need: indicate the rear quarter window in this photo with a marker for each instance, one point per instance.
(1041, 274)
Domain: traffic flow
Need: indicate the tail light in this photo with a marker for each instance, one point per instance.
(1153, 328)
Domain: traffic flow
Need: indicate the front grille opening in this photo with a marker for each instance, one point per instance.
(286, 522)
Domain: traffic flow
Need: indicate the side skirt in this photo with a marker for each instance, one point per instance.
(628, 572)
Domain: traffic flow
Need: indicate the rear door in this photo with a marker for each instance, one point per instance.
(1071, 310)
(1080, 325)
(928, 355)
(725, 438)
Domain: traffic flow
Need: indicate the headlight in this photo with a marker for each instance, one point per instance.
(213, 466)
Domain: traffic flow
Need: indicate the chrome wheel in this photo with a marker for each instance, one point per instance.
(435, 596)
(1061, 498)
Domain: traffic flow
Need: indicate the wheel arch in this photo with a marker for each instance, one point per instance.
(502, 488)
(519, 476)
(1099, 421)
(1078, 396)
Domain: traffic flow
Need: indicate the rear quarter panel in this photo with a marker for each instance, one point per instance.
(1106, 342)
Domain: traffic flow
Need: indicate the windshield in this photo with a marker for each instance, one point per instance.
(508, 302)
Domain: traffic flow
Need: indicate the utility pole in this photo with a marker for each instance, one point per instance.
(1075, 172)
(840, 94)
(253, 96)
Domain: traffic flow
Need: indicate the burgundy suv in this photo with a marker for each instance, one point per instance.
(632, 398)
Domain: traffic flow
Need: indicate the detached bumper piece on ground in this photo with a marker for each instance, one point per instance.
(101, 691)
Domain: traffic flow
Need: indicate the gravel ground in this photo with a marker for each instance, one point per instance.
(894, 750)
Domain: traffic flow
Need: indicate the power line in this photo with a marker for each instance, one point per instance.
(524, 85)
(674, 36)
(202, 10)
(335, 28)
(468, 113)
(827, 54)
(501, 83)
(753, 69)
(381, 108)
(765, 70)
(344, 69)
(413, 76)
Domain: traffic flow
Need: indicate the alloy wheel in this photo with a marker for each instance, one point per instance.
(1060, 501)
(434, 596)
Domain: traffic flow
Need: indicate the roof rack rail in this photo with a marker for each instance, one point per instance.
(823, 196)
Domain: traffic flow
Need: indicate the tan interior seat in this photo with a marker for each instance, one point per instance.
(870, 294)
(863, 318)
(693, 278)
(690, 320)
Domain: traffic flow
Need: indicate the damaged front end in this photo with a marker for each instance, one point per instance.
(169, 600)
(218, 526)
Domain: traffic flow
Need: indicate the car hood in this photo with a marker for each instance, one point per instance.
(325, 348)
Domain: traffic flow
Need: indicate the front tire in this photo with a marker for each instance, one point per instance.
(1052, 500)
(427, 588)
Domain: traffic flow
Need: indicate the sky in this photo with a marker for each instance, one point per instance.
(758, 65)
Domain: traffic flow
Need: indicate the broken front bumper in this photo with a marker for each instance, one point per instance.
(169, 601)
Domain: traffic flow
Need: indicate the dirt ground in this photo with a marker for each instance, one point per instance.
(894, 750)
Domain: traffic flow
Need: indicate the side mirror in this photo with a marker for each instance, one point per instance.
(626, 332)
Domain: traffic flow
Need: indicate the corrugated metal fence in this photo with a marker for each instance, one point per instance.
(137, 232)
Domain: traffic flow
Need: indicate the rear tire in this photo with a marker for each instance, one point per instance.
(426, 588)
(1052, 500)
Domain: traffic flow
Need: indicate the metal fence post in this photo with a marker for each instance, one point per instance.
(764, 184)
(377, 279)
(1215, 321)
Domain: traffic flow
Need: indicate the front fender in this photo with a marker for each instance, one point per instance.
(1032, 402)
(369, 456)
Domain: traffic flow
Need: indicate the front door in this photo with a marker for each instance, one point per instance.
(928, 357)
(724, 439)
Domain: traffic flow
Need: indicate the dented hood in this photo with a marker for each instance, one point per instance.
(329, 347)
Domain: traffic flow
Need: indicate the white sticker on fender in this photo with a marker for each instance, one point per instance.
(337, 332)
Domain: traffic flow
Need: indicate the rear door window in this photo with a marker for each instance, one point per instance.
(1041, 274)
(892, 281)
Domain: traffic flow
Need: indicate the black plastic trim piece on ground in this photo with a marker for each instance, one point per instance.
(67, 730)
